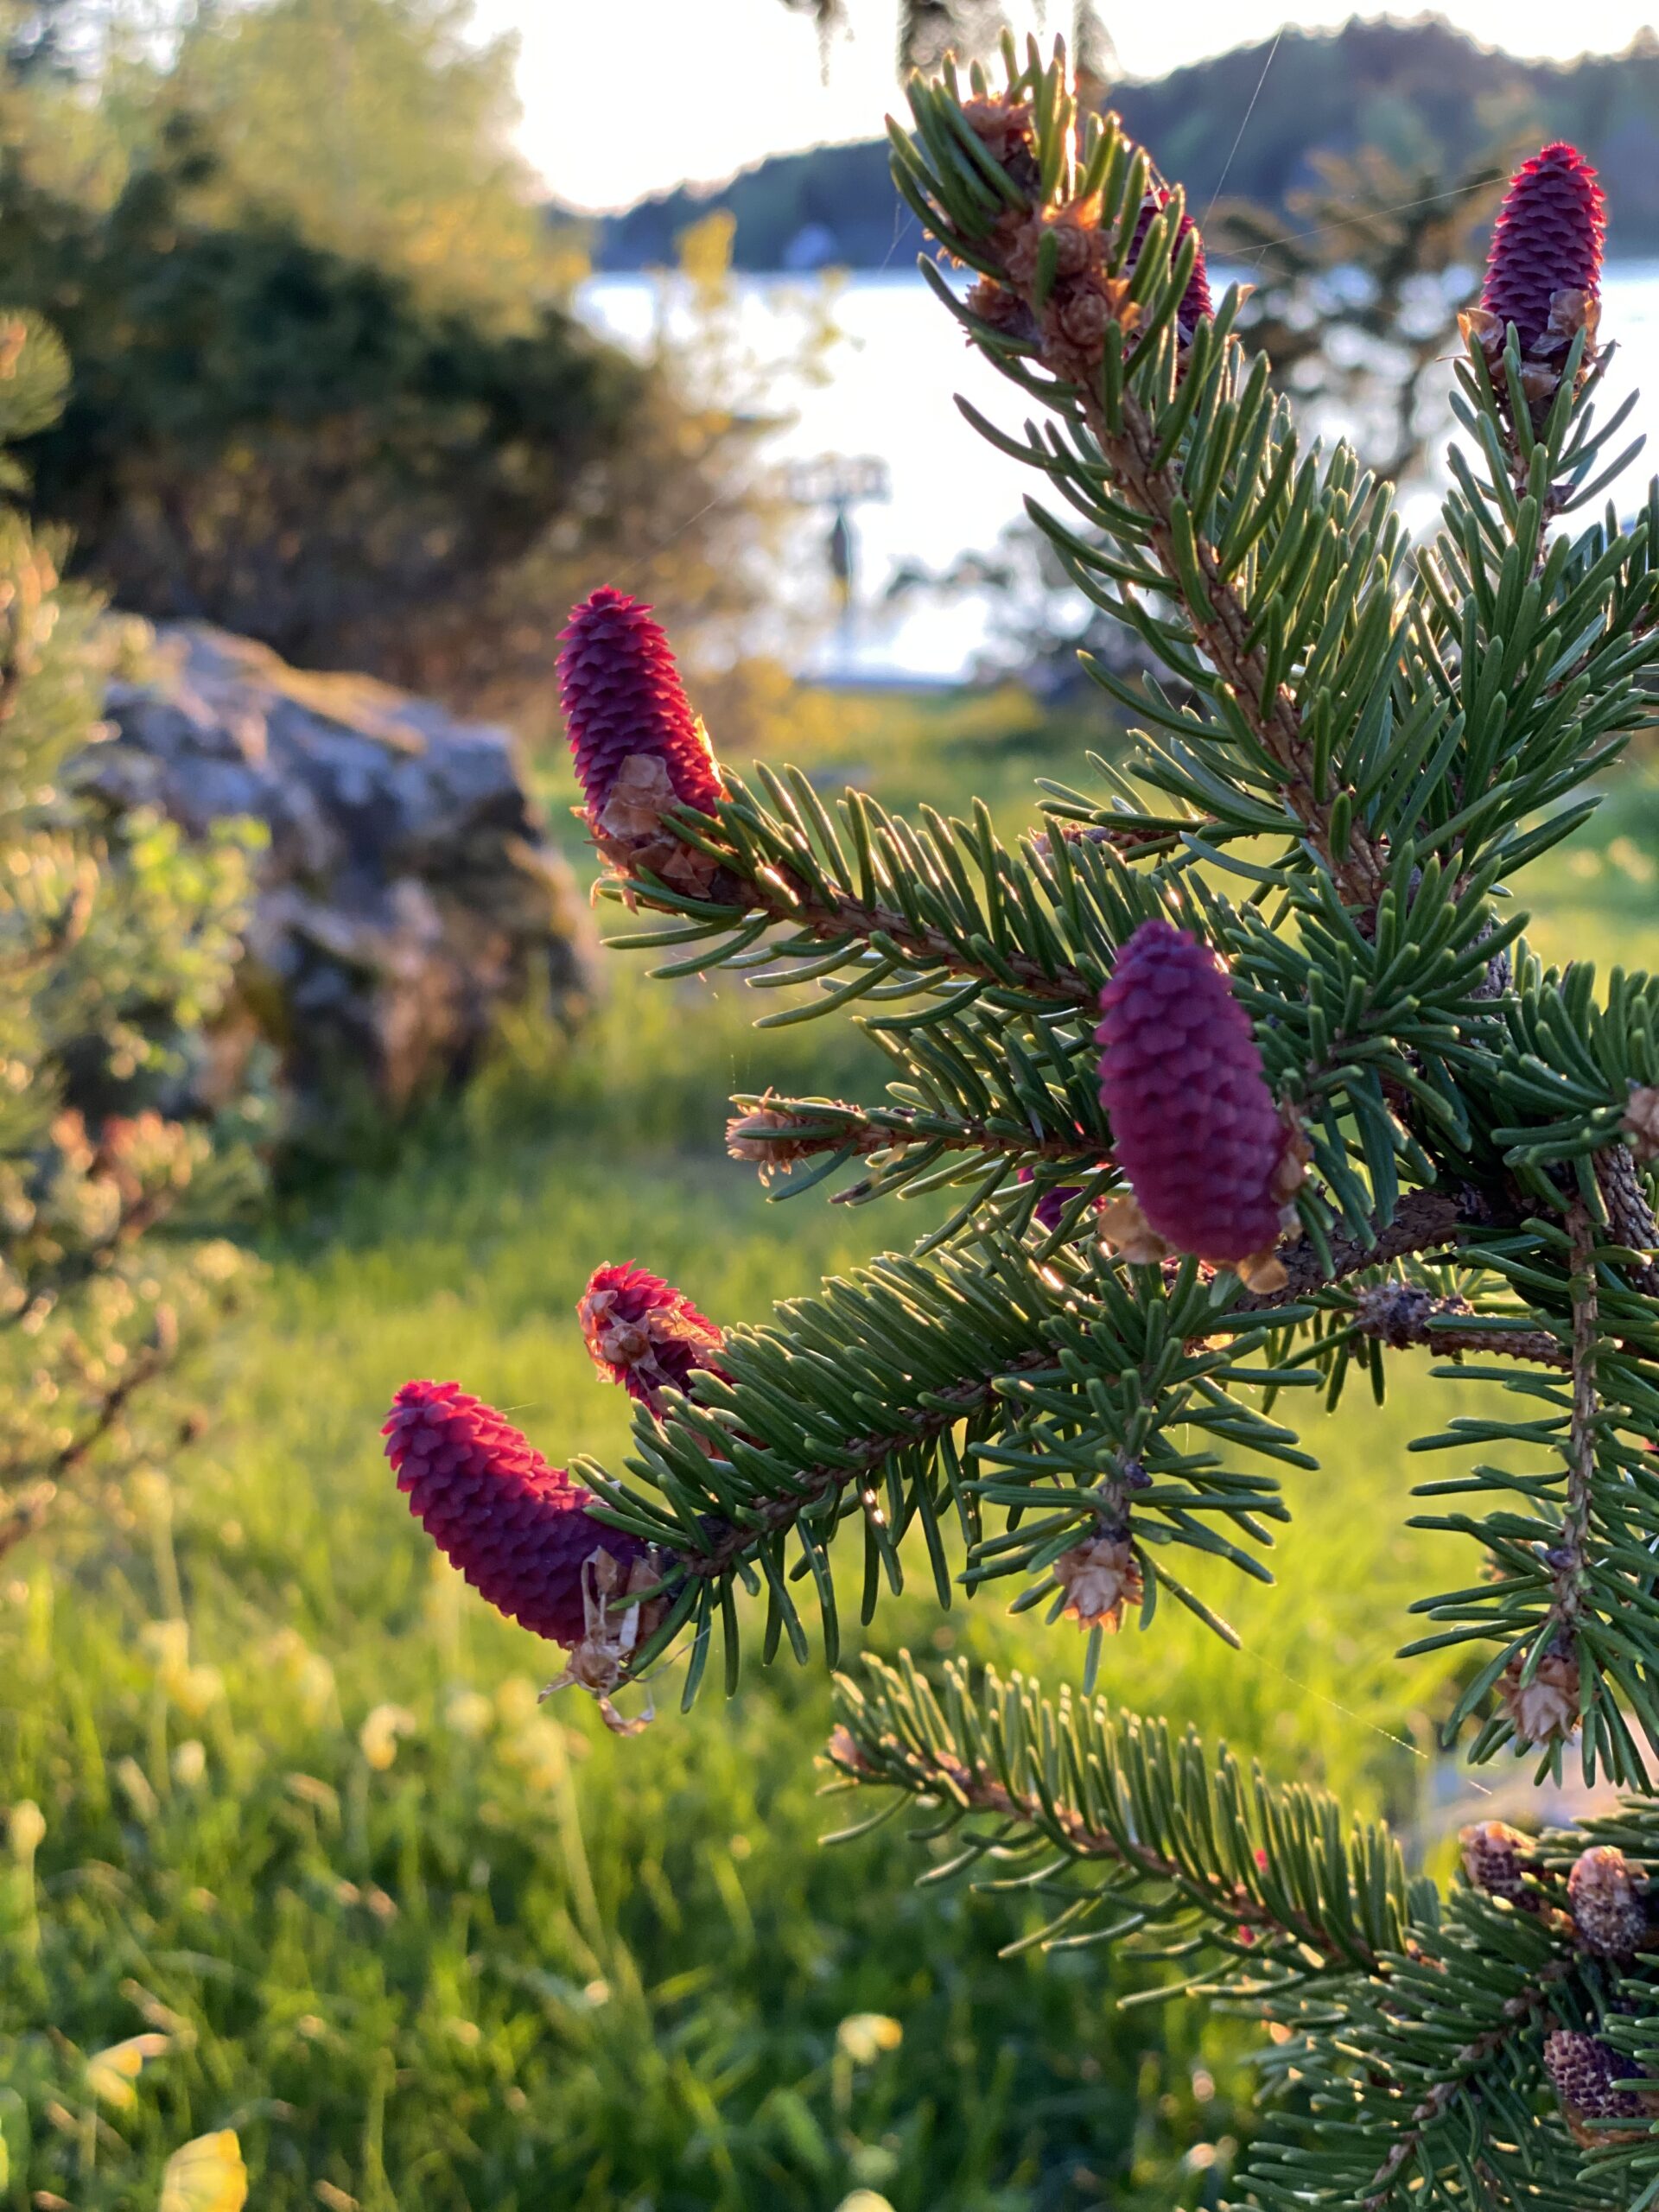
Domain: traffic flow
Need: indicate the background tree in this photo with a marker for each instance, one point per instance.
(1354, 300)
(266, 434)
(928, 30)
(329, 388)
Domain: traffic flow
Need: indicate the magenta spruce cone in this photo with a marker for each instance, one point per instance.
(518, 1529)
(1194, 1126)
(1548, 241)
(1195, 301)
(637, 746)
(643, 1333)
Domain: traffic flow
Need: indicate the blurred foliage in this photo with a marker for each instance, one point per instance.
(1419, 92)
(329, 391)
(116, 946)
(378, 130)
(1356, 302)
(290, 443)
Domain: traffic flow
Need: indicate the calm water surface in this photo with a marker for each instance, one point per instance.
(887, 390)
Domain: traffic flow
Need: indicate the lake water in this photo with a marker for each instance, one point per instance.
(886, 391)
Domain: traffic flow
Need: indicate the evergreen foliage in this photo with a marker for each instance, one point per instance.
(1371, 740)
(115, 947)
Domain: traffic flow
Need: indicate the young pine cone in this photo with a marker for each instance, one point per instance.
(519, 1530)
(637, 747)
(1604, 1894)
(1050, 1209)
(1194, 1126)
(645, 1334)
(1548, 239)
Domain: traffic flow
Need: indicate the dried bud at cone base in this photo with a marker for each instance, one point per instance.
(637, 747)
(1603, 1893)
(1546, 1709)
(518, 1530)
(1003, 128)
(1586, 2074)
(645, 1334)
(1492, 1860)
(1099, 1580)
(1194, 1126)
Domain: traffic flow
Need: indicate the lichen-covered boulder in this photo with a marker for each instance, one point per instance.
(406, 895)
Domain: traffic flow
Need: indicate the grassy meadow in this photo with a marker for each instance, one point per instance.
(428, 1946)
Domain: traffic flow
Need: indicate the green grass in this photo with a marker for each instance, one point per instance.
(519, 1964)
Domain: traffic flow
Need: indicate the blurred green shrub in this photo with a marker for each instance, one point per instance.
(329, 390)
(287, 441)
(116, 946)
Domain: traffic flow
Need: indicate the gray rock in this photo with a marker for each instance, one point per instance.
(406, 896)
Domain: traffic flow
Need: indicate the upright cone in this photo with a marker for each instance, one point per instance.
(1194, 1125)
(1196, 302)
(643, 1333)
(637, 747)
(1543, 275)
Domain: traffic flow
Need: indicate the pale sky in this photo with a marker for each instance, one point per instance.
(626, 97)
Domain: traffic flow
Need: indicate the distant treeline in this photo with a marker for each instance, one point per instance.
(1420, 92)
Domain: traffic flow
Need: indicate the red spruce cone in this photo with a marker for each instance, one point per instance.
(1195, 301)
(645, 1334)
(1549, 240)
(1604, 1893)
(518, 1529)
(1194, 1126)
(637, 746)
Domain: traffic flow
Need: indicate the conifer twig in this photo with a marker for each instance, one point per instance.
(1518, 2011)
(1567, 1556)
(979, 1789)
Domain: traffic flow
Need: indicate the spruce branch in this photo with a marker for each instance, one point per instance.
(1458, 2080)
(1173, 1826)
(1147, 386)
(1568, 1559)
(1240, 1076)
